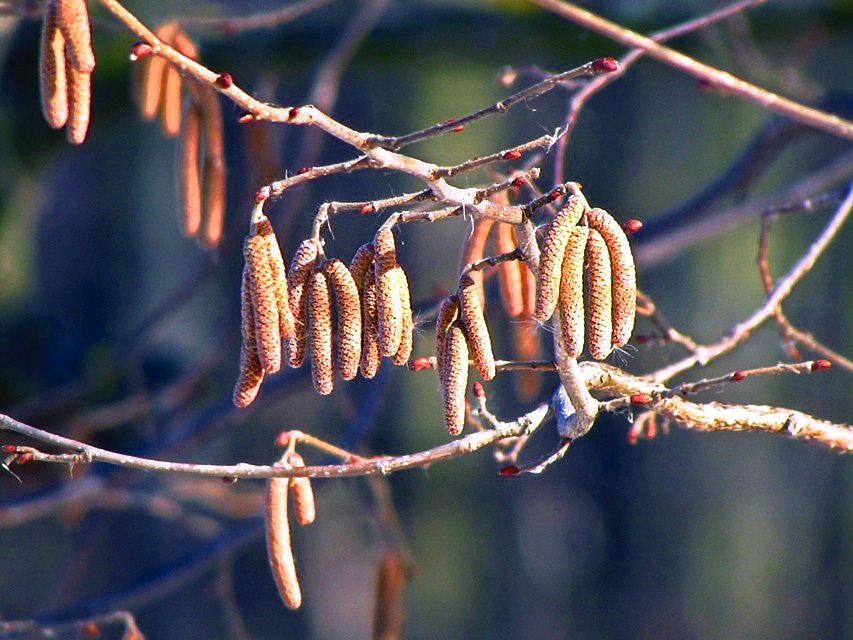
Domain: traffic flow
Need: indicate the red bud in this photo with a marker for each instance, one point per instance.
(90, 629)
(246, 116)
(262, 194)
(632, 226)
(140, 50)
(419, 364)
(605, 65)
(509, 470)
(9, 448)
(738, 375)
(512, 154)
(23, 458)
(479, 392)
(302, 170)
(641, 398)
(821, 365)
(520, 181)
(556, 193)
(225, 80)
(368, 208)
(457, 129)
(228, 480)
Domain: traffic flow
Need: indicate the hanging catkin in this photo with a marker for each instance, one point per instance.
(279, 547)
(251, 372)
(370, 355)
(447, 314)
(320, 336)
(79, 103)
(151, 71)
(54, 84)
(571, 300)
(304, 510)
(74, 23)
(262, 288)
(453, 376)
(348, 310)
(474, 249)
(189, 173)
(551, 260)
(599, 298)
(623, 272)
(279, 275)
(297, 290)
(390, 311)
(509, 272)
(479, 340)
(404, 351)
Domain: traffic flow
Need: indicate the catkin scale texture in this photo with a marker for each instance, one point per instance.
(404, 351)
(390, 312)
(623, 271)
(474, 249)
(74, 23)
(262, 287)
(599, 298)
(370, 356)
(279, 275)
(571, 300)
(551, 260)
(279, 547)
(297, 289)
(54, 84)
(361, 262)
(479, 340)
(348, 310)
(79, 103)
(251, 372)
(320, 337)
(453, 376)
(304, 511)
(447, 314)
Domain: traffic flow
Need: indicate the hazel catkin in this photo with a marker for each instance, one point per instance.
(279, 276)
(279, 546)
(447, 314)
(262, 288)
(390, 312)
(320, 336)
(79, 103)
(551, 260)
(509, 272)
(404, 351)
(571, 299)
(251, 372)
(623, 272)
(476, 330)
(54, 84)
(599, 298)
(348, 311)
(74, 22)
(370, 353)
(189, 174)
(297, 290)
(453, 377)
(304, 510)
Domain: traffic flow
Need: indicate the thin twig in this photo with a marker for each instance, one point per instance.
(263, 20)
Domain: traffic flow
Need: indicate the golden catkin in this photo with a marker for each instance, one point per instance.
(304, 510)
(189, 175)
(279, 275)
(551, 260)
(74, 22)
(453, 377)
(479, 340)
(251, 372)
(447, 314)
(151, 70)
(279, 548)
(404, 351)
(623, 272)
(389, 611)
(571, 293)
(79, 104)
(390, 312)
(509, 272)
(170, 102)
(54, 84)
(526, 347)
(370, 355)
(213, 175)
(297, 292)
(320, 337)
(348, 310)
(474, 249)
(262, 288)
(599, 298)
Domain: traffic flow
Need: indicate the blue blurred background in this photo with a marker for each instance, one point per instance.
(116, 330)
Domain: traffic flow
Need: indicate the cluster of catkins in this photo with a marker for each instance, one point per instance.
(294, 308)
(67, 61)
(586, 281)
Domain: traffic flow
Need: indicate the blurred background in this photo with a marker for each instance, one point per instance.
(116, 330)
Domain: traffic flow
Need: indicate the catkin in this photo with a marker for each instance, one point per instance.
(297, 283)
(348, 310)
(404, 351)
(279, 276)
(623, 272)
(152, 70)
(526, 343)
(479, 340)
(453, 376)
(189, 176)
(54, 85)
(389, 612)
(304, 510)
(390, 311)
(599, 299)
(213, 175)
(528, 290)
(370, 355)
(79, 103)
(571, 293)
(279, 548)
(262, 288)
(360, 263)
(170, 102)
(551, 260)
(447, 314)
(320, 336)
(74, 22)
(509, 272)
(251, 372)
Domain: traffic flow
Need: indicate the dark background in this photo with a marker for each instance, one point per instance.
(116, 330)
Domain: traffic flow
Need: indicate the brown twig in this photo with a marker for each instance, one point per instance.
(263, 20)
(714, 77)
